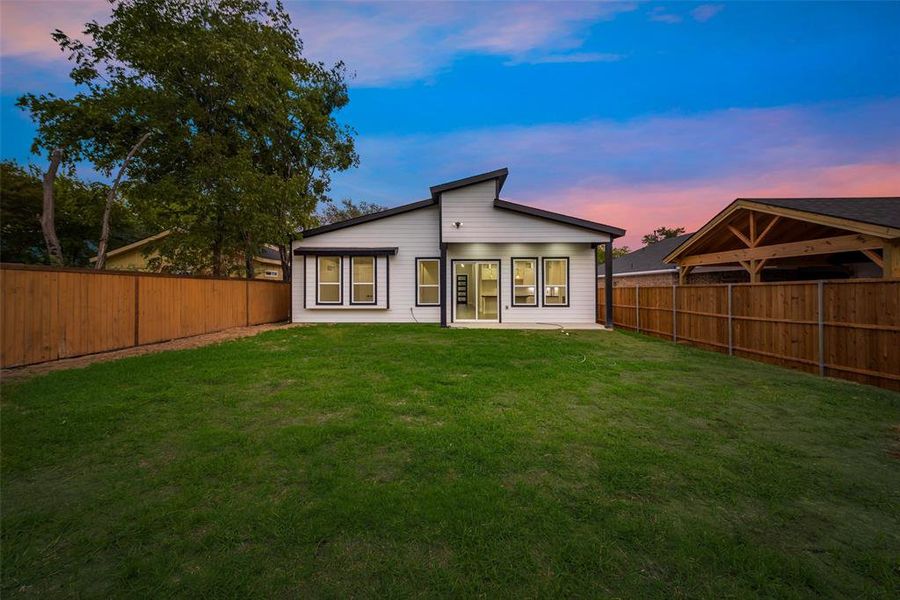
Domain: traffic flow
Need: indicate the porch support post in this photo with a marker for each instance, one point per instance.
(444, 282)
(608, 284)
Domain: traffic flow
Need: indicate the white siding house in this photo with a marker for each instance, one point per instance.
(462, 256)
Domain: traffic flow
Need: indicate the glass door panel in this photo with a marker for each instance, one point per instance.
(464, 284)
(488, 289)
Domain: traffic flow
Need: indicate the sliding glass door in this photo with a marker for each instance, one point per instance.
(476, 290)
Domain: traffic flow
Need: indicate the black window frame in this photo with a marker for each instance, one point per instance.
(440, 283)
(544, 303)
(538, 290)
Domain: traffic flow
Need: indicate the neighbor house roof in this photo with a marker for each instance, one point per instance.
(135, 245)
(648, 259)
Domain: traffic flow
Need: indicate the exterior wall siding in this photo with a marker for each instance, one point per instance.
(582, 299)
(415, 234)
(473, 206)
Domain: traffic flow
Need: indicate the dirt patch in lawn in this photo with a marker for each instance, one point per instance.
(179, 344)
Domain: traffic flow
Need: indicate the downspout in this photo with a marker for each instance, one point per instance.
(608, 287)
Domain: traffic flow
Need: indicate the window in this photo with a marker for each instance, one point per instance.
(556, 282)
(362, 280)
(428, 281)
(524, 281)
(271, 273)
(329, 280)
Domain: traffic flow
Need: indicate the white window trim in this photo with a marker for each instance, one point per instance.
(545, 287)
(536, 285)
(339, 283)
(420, 285)
(354, 283)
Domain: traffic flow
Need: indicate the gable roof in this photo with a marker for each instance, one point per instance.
(500, 175)
(559, 218)
(878, 216)
(876, 211)
(390, 212)
(135, 245)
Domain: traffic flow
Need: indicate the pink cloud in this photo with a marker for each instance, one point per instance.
(383, 43)
(26, 25)
(642, 208)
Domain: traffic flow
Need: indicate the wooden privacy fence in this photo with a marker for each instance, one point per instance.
(843, 328)
(49, 313)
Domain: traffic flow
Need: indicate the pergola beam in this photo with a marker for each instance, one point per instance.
(842, 243)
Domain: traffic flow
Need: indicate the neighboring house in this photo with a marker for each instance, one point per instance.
(138, 256)
(645, 267)
(791, 239)
(461, 256)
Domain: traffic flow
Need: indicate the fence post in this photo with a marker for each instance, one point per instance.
(821, 328)
(637, 307)
(674, 315)
(137, 310)
(730, 334)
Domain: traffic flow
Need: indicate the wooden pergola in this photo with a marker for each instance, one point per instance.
(755, 233)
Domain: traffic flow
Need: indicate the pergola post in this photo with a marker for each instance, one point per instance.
(891, 259)
(608, 287)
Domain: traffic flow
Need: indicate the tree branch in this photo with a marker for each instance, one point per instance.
(110, 198)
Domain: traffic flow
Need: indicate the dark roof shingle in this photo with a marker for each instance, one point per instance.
(648, 258)
(883, 211)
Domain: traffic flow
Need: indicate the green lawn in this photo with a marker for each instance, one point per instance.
(338, 461)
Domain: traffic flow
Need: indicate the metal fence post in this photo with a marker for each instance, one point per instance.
(674, 315)
(730, 329)
(822, 328)
(637, 307)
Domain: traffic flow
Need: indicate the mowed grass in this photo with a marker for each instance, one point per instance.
(336, 461)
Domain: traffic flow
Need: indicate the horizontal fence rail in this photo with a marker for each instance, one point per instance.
(50, 313)
(844, 328)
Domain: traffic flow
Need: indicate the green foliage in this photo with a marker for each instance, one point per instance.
(661, 233)
(244, 133)
(333, 213)
(407, 461)
(616, 253)
(78, 208)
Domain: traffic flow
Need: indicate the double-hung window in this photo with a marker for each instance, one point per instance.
(362, 280)
(329, 280)
(524, 282)
(428, 282)
(556, 282)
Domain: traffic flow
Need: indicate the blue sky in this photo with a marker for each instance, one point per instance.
(637, 115)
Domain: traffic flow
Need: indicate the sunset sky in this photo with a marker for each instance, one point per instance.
(635, 115)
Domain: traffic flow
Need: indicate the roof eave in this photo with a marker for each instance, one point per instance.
(500, 175)
(612, 232)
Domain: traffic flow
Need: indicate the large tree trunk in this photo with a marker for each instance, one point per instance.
(284, 252)
(110, 198)
(48, 216)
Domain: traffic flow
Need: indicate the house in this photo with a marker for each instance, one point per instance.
(645, 267)
(140, 255)
(462, 257)
(788, 239)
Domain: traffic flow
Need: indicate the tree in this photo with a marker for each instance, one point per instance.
(616, 253)
(661, 233)
(332, 213)
(244, 135)
(79, 206)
